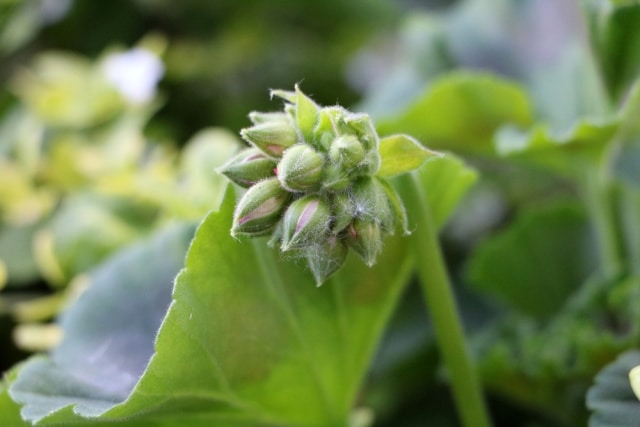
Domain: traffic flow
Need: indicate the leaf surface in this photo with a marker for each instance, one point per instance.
(562, 152)
(109, 332)
(611, 397)
(536, 263)
(615, 33)
(401, 153)
(462, 111)
(248, 340)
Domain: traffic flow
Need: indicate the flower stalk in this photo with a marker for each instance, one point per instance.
(443, 310)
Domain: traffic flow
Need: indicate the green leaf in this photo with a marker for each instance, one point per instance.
(109, 333)
(611, 397)
(462, 111)
(536, 263)
(549, 365)
(615, 33)
(563, 152)
(445, 179)
(9, 410)
(261, 335)
(244, 338)
(401, 153)
(248, 340)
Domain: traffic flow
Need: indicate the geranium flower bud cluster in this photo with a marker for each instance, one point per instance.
(310, 175)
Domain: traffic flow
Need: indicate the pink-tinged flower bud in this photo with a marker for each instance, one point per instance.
(365, 238)
(272, 137)
(305, 223)
(346, 151)
(248, 167)
(300, 168)
(259, 209)
(326, 258)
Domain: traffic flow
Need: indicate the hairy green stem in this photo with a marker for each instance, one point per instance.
(443, 310)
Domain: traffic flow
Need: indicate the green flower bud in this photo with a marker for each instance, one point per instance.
(248, 167)
(371, 163)
(305, 223)
(300, 168)
(335, 178)
(365, 238)
(338, 115)
(259, 209)
(372, 203)
(326, 259)
(346, 151)
(343, 210)
(272, 137)
(360, 124)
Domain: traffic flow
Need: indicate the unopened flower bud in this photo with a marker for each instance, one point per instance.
(343, 210)
(365, 238)
(335, 178)
(360, 124)
(248, 167)
(300, 168)
(346, 151)
(305, 223)
(371, 163)
(272, 137)
(326, 258)
(260, 208)
(372, 203)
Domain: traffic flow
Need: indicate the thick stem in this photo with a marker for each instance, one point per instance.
(444, 312)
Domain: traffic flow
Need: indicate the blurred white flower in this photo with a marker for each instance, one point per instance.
(134, 73)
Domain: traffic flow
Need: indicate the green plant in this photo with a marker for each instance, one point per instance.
(520, 230)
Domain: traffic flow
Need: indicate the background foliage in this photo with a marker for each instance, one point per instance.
(101, 191)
